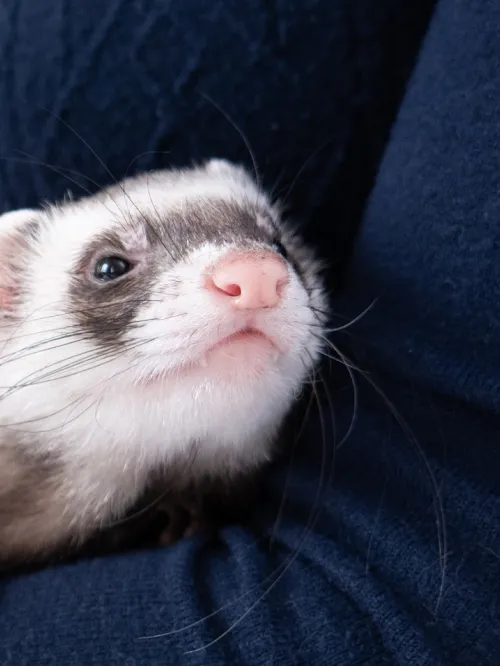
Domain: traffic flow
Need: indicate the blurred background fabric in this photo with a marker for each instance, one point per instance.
(313, 85)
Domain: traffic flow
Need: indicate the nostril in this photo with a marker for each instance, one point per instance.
(229, 289)
(226, 288)
(280, 285)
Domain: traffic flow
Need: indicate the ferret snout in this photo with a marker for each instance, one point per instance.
(249, 281)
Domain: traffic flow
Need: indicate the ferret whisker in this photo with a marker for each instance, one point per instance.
(342, 361)
(66, 421)
(190, 461)
(73, 311)
(290, 465)
(15, 426)
(353, 321)
(240, 133)
(303, 167)
(95, 307)
(412, 439)
(18, 326)
(440, 513)
(108, 171)
(323, 312)
(158, 217)
(62, 171)
(75, 329)
(77, 416)
(345, 362)
(143, 154)
(59, 329)
(88, 355)
(273, 192)
(40, 346)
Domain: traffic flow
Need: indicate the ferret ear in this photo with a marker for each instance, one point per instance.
(18, 232)
(236, 172)
(219, 165)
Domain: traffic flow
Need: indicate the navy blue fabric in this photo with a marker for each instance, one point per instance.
(391, 542)
(312, 84)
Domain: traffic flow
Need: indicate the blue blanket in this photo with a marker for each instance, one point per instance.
(388, 547)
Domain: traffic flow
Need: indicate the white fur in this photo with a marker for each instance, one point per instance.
(110, 429)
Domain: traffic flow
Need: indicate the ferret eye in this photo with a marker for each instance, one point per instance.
(280, 249)
(111, 268)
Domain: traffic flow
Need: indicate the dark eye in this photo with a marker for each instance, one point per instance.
(278, 247)
(111, 268)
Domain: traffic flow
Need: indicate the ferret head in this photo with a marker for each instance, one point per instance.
(172, 315)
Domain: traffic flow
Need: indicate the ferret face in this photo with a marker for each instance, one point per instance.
(170, 314)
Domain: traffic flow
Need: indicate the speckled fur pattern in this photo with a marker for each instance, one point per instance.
(102, 385)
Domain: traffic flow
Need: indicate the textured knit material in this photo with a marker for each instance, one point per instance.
(387, 550)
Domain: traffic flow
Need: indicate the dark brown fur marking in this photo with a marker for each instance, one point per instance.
(29, 514)
(106, 310)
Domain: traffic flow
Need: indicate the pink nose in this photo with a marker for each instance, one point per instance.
(251, 281)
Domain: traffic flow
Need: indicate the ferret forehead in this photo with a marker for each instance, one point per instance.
(150, 215)
(164, 191)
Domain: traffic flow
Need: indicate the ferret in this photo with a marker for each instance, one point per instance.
(159, 329)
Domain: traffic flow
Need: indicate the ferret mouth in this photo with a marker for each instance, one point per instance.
(248, 352)
(244, 335)
(248, 349)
